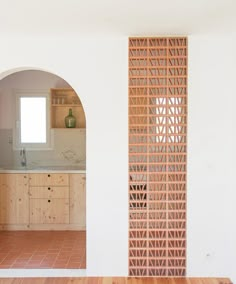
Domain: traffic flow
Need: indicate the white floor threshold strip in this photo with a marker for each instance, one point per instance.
(9, 273)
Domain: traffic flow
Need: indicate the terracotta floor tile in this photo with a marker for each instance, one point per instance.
(46, 266)
(32, 266)
(7, 262)
(4, 266)
(3, 256)
(50, 256)
(77, 259)
(24, 254)
(23, 261)
(34, 262)
(42, 249)
(5, 250)
(11, 256)
(39, 253)
(47, 262)
(62, 254)
(60, 264)
(75, 265)
(17, 265)
(63, 258)
(53, 251)
(37, 257)
(66, 251)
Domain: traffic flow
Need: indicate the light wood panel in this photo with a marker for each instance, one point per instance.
(115, 280)
(14, 199)
(48, 203)
(49, 211)
(78, 200)
(49, 198)
(157, 156)
(48, 179)
(49, 192)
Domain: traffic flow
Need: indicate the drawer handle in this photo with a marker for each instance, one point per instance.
(49, 176)
(49, 188)
(49, 200)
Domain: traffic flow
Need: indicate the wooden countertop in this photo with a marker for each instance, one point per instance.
(116, 280)
(44, 169)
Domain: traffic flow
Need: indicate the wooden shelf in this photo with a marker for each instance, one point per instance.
(69, 129)
(61, 101)
(66, 105)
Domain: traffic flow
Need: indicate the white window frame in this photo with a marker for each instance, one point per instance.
(17, 128)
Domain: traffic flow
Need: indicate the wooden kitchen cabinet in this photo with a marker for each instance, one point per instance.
(49, 192)
(49, 211)
(78, 200)
(48, 179)
(14, 200)
(43, 201)
(49, 198)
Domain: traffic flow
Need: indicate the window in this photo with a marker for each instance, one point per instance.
(32, 121)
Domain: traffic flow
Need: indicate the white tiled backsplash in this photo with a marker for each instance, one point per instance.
(69, 148)
(6, 152)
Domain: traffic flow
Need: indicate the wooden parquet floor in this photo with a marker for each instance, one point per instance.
(114, 280)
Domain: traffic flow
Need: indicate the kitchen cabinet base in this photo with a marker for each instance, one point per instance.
(42, 227)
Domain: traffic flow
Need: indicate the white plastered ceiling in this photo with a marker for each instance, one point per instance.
(116, 18)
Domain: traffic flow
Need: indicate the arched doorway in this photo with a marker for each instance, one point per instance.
(50, 211)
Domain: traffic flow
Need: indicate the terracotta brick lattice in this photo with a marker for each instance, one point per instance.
(157, 156)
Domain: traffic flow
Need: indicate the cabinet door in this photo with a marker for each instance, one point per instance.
(49, 211)
(14, 199)
(48, 179)
(78, 200)
(49, 192)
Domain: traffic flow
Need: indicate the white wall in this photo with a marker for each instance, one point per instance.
(97, 70)
(211, 233)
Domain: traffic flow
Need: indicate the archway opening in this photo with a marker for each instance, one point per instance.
(42, 187)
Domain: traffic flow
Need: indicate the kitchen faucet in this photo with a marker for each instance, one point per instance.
(23, 157)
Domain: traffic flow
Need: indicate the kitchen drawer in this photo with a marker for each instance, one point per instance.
(48, 179)
(49, 211)
(49, 192)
